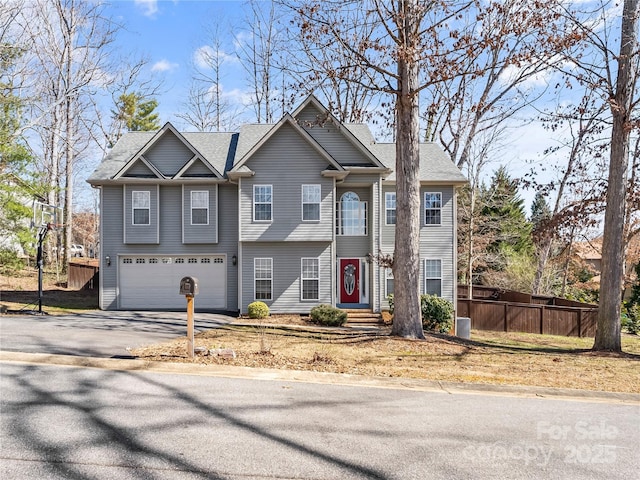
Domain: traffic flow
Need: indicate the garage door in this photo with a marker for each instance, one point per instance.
(153, 281)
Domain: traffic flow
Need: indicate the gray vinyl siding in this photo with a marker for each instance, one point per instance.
(437, 241)
(146, 234)
(170, 237)
(200, 233)
(331, 139)
(139, 169)
(198, 169)
(286, 278)
(303, 166)
(169, 154)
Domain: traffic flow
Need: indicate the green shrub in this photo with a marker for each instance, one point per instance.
(437, 313)
(327, 315)
(390, 300)
(10, 262)
(258, 310)
(631, 319)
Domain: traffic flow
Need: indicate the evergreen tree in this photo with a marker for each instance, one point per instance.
(504, 216)
(135, 114)
(540, 211)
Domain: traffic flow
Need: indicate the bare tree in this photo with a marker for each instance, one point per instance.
(70, 42)
(413, 45)
(621, 103)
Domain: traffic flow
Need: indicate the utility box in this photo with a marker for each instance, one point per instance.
(189, 286)
(463, 327)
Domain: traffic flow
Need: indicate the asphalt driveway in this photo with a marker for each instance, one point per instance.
(98, 333)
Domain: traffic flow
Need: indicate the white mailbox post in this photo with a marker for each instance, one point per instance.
(189, 288)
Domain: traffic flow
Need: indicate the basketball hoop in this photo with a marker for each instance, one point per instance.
(45, 217)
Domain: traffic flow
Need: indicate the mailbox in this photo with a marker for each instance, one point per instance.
(189, 286)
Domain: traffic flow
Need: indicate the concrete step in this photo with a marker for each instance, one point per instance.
(363, 316)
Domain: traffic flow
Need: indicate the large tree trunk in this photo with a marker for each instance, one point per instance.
(407, 321)
(608, 326)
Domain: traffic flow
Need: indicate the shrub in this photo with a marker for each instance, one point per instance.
(327, 315)
(390, 300)
(631, 319)
(437, 313)
(10, 263)
(258, 310)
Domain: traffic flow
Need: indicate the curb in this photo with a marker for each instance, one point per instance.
(327, 378)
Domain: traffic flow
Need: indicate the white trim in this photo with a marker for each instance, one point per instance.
(302, 278)
(424, 209)
(134, 208)
(319, 202)
(191, 207)
(424, 274)
(262, 203)
(395, 209)
(270, 278)
(388, 277)
(363, 211)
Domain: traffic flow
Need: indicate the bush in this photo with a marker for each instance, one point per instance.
(258, 310)
(390, 300)
(328, 315)
(631, 319)
(437, 313)
(10, 262)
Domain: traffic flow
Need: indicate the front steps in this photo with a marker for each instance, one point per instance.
(362, 317)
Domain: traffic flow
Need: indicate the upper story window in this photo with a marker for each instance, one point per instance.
(311, 203)
(390, 208)
(433, 208)
(433, 277)
(141, 204)
(262, 203)
(200, 207)
(351, 215)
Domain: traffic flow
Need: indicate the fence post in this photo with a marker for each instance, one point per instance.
(542, 320)
(506, 320)
(580, 322)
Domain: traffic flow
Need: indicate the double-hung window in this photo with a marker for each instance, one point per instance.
(141, 204)
(390, 208)
(262, 203)
(263, 278)
(388, 282)
(433, 208)
(433, 277)
(200, 207)
(310, 273)
(311, 203)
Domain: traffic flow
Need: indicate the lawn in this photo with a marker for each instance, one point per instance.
(490, 357)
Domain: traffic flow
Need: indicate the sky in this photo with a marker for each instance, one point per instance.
(169, 33)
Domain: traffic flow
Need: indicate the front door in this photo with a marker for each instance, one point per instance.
(349, 280)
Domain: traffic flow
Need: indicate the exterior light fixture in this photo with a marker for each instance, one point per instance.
(234, 260)
(107, 260)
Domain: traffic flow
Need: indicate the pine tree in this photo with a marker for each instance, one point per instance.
(540, 210)
(134, 114)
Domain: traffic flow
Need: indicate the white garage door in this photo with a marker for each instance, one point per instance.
(153, 281)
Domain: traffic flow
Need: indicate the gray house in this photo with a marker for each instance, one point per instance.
(285, 213)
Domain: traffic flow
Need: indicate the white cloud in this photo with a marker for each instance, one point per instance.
(164, 66)
(149, 7)
(203, 55)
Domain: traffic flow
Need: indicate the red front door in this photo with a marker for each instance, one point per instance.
(349, 280)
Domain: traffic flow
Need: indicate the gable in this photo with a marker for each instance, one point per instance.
(168, 154)
(197, 168)
(139, 169)
(325, 131)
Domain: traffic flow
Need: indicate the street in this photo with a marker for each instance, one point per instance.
(89, 423)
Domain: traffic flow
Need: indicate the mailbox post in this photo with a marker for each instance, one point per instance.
(189, 288)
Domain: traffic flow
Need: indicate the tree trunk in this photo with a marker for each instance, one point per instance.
(608, 326)
(407, 320)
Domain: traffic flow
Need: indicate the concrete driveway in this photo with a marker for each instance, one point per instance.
(98, 333)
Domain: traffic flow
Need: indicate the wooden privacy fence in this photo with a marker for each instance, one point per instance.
(83, 274)
(529, 317)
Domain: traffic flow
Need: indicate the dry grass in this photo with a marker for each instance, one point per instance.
(492, 357)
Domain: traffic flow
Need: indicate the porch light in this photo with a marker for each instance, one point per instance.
(107, 260)
(234, 260)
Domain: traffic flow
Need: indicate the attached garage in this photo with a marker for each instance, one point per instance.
(152, 282)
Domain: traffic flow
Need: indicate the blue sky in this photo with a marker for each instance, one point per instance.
(168, 33)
